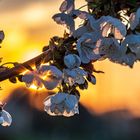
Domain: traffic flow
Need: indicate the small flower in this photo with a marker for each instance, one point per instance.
(74, 76)
(61, 104)
(5, 118)
(49, 76)
(65, 19)
(87, 46)
(110, 25)
(117, 53)
(72, 61)
(112, 50)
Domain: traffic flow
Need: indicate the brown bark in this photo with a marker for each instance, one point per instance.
(8, 73)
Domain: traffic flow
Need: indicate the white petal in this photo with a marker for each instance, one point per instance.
(58, 98)
(28, 78)
(72, 60)
(119, 29)
(51, 82)
(62, 18)
(7, 118)
(71, 101)
(47, 101)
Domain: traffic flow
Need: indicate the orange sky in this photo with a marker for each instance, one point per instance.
(28, 26)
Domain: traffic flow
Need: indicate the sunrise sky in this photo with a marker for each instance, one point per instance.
(28, 27)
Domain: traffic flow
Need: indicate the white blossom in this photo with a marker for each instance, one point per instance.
(110, 25)
(72, 61)
(47, 76)
(61, 104)
(116, 52)
(87, 47)
(5, 118)
(65, 19)
(73, 76)
(111, 49)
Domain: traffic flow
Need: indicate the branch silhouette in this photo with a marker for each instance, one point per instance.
(8, 73)
(21, 67)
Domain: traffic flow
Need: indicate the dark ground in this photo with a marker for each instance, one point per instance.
(32, 124)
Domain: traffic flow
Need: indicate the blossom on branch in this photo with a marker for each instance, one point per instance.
(74, 76)
(108, 31)
(65, 19)
(72, 61)
(5, 117)
(110, 25)
(47, 76)
(61, 104)
(87, 46)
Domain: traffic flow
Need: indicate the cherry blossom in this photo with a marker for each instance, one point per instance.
(73, 76)
(87, 46)
(5, 118)
(47, 76)
(72, 61)
(61, 104)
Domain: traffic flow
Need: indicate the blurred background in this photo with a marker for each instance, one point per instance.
(109, 110)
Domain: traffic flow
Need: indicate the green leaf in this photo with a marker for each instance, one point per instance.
(133, 1)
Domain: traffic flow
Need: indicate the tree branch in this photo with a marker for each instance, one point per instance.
(8, 73)
(46, 56)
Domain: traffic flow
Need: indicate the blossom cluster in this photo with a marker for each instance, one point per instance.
(100, 36)
(97, 38)
(103, 37)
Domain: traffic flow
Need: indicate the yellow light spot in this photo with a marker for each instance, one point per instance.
(34, 87)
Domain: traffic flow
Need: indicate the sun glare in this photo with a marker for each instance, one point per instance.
(34, 87)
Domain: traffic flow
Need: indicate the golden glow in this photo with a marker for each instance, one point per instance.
(29, 28)
(34, 87)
